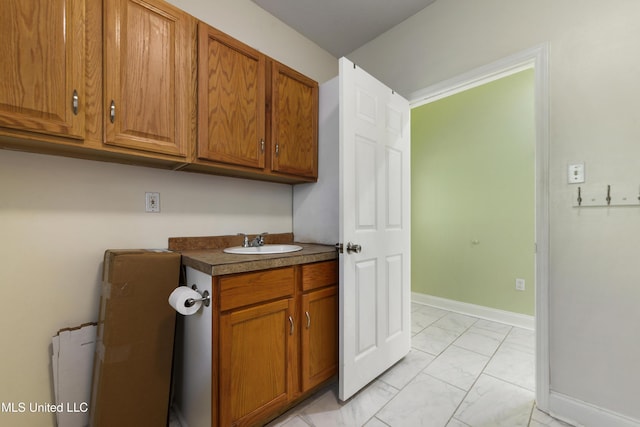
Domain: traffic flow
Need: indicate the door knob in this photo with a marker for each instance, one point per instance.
(353, 247)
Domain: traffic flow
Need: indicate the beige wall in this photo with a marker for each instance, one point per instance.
(249, 23)
(594, 86)
(58, 215)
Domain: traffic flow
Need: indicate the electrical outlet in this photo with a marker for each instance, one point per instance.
(152, 202)
(519, 284)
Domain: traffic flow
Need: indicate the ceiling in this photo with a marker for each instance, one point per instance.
(341, 26)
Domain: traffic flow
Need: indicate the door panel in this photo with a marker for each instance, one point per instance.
(365, 185)
(394, 188)
(375, 286)
(366, 294)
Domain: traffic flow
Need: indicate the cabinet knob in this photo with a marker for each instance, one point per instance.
(262, 145)
(291, 325)
(277, 150)
(308, 319)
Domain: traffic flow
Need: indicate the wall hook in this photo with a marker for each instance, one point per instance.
(579, 196)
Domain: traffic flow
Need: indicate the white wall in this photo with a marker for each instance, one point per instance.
(594, 67)
(59, 215)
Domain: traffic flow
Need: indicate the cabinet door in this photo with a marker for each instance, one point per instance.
(256, 349)
(147, 76)
(231, 100)
(42, 66)
(319, 336)
(294, 122)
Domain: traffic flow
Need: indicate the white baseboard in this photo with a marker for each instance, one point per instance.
(580, 413)
(493, 314)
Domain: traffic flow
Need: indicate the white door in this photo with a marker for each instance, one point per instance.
(375, 290)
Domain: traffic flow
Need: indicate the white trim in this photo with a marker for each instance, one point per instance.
(579, 413)
(538, 58)
(482, 75)
(488, 313)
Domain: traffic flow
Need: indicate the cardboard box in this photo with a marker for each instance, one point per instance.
(134, 348)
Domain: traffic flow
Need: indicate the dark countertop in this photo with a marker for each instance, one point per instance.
(216, 263)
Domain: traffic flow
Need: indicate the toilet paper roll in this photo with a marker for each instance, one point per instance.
(179, 297)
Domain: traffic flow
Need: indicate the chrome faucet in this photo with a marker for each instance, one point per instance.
(257, 241)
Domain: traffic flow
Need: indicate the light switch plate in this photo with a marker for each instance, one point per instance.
(575, 173)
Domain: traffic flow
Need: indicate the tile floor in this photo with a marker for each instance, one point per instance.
(462, 371)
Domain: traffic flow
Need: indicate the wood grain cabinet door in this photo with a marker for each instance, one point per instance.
(319, 348)
(294, 122)
(42, 66)
(148, 64)
(231, 100)
(256, 350)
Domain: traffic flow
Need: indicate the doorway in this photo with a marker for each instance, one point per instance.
(473, 196)
(535, 59)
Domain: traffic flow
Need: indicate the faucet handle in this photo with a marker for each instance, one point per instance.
(245, 241)
(260, 238)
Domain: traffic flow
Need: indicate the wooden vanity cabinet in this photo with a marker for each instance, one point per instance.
(319, 330)
(274, 340)
(42, 85)
(256, 345)
(148, 76)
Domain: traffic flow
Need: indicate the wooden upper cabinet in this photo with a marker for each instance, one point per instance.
(42, 66)
(147, 76)
(294, 122)
(231, 100)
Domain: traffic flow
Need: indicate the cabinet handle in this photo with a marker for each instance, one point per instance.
(112, 111)
(75, 102)
(308, 319)
(277, 150)
(291, 323)
(262, 145)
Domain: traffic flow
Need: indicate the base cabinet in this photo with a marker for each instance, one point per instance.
(255, 349)
(273, 342)
(319, 345)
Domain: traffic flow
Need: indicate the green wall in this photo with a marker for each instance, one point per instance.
(473, 195)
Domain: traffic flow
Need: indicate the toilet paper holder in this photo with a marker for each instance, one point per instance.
(206, 298)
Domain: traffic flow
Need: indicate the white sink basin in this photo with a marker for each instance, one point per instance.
(262, 250)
